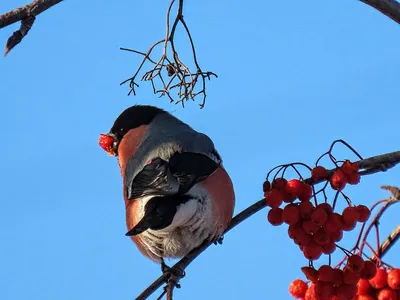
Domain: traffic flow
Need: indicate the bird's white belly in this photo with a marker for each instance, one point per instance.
(191, 226)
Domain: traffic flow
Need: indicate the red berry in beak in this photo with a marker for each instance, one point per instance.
(106, 143)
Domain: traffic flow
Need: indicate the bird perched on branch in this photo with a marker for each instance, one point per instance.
(177, 193)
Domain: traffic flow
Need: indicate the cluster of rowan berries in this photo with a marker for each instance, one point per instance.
(314, 228)
(359, 280)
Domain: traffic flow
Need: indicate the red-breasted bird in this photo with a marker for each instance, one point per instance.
(177, 193)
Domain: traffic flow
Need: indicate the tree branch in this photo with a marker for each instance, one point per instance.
(26, 14)
(390, 8)
(393, 237)
(367, 166)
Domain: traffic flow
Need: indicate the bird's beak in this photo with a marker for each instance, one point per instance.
(139, 228)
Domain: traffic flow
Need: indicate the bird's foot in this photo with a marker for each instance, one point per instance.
(174, 274)
(219, 240)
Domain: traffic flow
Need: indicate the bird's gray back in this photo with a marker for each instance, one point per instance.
(164, 136)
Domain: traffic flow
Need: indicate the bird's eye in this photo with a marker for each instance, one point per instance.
(107, 143)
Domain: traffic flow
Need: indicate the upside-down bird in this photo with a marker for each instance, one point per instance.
(177, 193)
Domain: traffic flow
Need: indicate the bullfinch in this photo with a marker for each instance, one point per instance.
(177, 193)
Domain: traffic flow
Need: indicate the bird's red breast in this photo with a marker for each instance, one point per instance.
(219, 186)
(126, 149)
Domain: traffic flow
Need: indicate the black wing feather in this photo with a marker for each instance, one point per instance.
(152, 180)
(177, 176)
(190, 168)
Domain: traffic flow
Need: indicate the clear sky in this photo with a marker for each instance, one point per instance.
(293, 77)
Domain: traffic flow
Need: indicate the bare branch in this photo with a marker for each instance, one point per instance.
(390, 8)
(26, 14)
(182, 79)
(393, 237)
(367, 166)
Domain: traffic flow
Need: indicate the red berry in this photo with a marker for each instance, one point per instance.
(337, 277)
(337, 236)
(363, 287)
(353, 178)
(294, 187)
(309, 226)
(293, 230)
(351, 277)
(337, 218)
(319, 216)
(394, 278)
(306, 192)
(380, 279)
(349, 167)
(273, 198)
(275, 216)
(369, 270)
(338, 180)
(279, 184)
(363, 213)
(329, 248)
(349, 227)
(355, 263)
(106, 143)
(298, 288)
(325, 273)
(324, 290)
(312, 251)
(306, 208)
(321, 237)
(346, 291)
(350, 215)
(302, 238)
(291, 214)
(310, 294)
(327, 207)
(266, 186)
(387, 294)
(330, 225)
(310, 273)
(319, 173)
(365, 297)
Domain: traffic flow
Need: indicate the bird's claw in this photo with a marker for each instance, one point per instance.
(174, 274)
(219, 241)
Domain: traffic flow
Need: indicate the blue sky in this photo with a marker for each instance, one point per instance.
(293, 77)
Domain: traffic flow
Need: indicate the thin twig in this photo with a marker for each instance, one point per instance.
(182, 79)
(26, 14)
(361, 242)
(389, 159)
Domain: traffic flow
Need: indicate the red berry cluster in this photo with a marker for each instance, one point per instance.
(315, 229)
(385, 285)
(359, 280)
(347, 173)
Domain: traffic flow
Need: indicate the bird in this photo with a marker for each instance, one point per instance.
(176, 191)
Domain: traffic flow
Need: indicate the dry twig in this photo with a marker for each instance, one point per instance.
(27, 15)
(367, 166)
(181, 78)
(363, 236)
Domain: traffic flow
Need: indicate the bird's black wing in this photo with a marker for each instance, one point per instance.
(177, 176)
(190, 168)
(154, 179)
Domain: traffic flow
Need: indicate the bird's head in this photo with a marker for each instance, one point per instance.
(129, 119)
